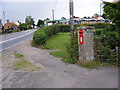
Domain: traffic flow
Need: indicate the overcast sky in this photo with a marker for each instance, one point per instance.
(40, 9)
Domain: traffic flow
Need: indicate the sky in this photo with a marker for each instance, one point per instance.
(41, 9)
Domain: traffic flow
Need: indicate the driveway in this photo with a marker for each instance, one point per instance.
(53, 72)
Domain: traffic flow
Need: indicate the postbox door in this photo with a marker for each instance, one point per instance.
(81, 38)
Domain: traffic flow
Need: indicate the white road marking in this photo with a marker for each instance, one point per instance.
(17, 37)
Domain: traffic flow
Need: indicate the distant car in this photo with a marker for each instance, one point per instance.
(35, 28)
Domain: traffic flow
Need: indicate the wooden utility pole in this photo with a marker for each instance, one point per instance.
(53, 15)
(3, 17)
(71, 24)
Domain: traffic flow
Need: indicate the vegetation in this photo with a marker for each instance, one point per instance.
(40, 23)
(17, 55)
(109, 37)
(90, 64)
(42, 35)
(22, 64)
(30, 21)
(49, 37)
(59, 42)
(23, 26)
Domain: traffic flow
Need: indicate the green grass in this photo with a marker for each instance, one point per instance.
(60, 54)
(90, 64)
(59, 42)
(93, 64)
(22, 64)
(17, 55)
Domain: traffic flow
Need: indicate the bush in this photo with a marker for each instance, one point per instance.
(39, 38)
(109, 41)
(23, 26)
(100, 25)
(29, 27)
(69, 60)
(73, 52)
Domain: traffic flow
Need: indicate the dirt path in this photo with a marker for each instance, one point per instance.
(53, 73)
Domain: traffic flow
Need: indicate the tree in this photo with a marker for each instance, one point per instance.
(76, 17)
(63, 18)
(23, 26)
(112, 12)
(30, 21)
(84, 17)
(40, 23)
(46, 19)
(95, 15)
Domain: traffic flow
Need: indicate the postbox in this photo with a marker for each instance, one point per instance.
(81, 37)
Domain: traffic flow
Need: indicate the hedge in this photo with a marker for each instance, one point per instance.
(40, 36)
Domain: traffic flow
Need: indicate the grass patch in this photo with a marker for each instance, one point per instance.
(60, 54)
(17, 55)
(93, 64)
(69, 60)
(25, 66)
(90, 64)
(22, 64)
(59, 42)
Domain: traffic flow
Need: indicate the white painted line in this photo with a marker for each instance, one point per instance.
(17, 37)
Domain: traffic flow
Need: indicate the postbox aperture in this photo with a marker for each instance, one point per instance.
(81, 38)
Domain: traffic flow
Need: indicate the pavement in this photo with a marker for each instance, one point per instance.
(53, 73)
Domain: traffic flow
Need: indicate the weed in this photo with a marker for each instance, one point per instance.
(17, 55)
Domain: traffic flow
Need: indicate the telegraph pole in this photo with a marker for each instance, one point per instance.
(3, 17)
(71, 23)
(53, 15)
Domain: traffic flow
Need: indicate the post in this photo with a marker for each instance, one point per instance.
(3, 17)
(71, 22)
(53, 15)
(86, 43)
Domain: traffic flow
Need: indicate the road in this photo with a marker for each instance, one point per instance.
(13, 39)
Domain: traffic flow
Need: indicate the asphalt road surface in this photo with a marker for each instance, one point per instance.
(9, 40)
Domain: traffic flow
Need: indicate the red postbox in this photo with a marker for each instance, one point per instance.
(81, 38)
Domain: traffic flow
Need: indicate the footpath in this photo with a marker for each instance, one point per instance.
(53, 73)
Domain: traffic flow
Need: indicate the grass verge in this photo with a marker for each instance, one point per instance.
(93, 64)
(59, 42)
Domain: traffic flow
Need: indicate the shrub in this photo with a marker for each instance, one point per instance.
(73, 51)
(109, 41)
(39, 38)
(100, 25)
(69, 60)
(23, 26)
(64, 28)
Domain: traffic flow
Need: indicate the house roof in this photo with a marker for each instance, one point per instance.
(98, 18)
(58, 20)
(115, 2)
(10, 25)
